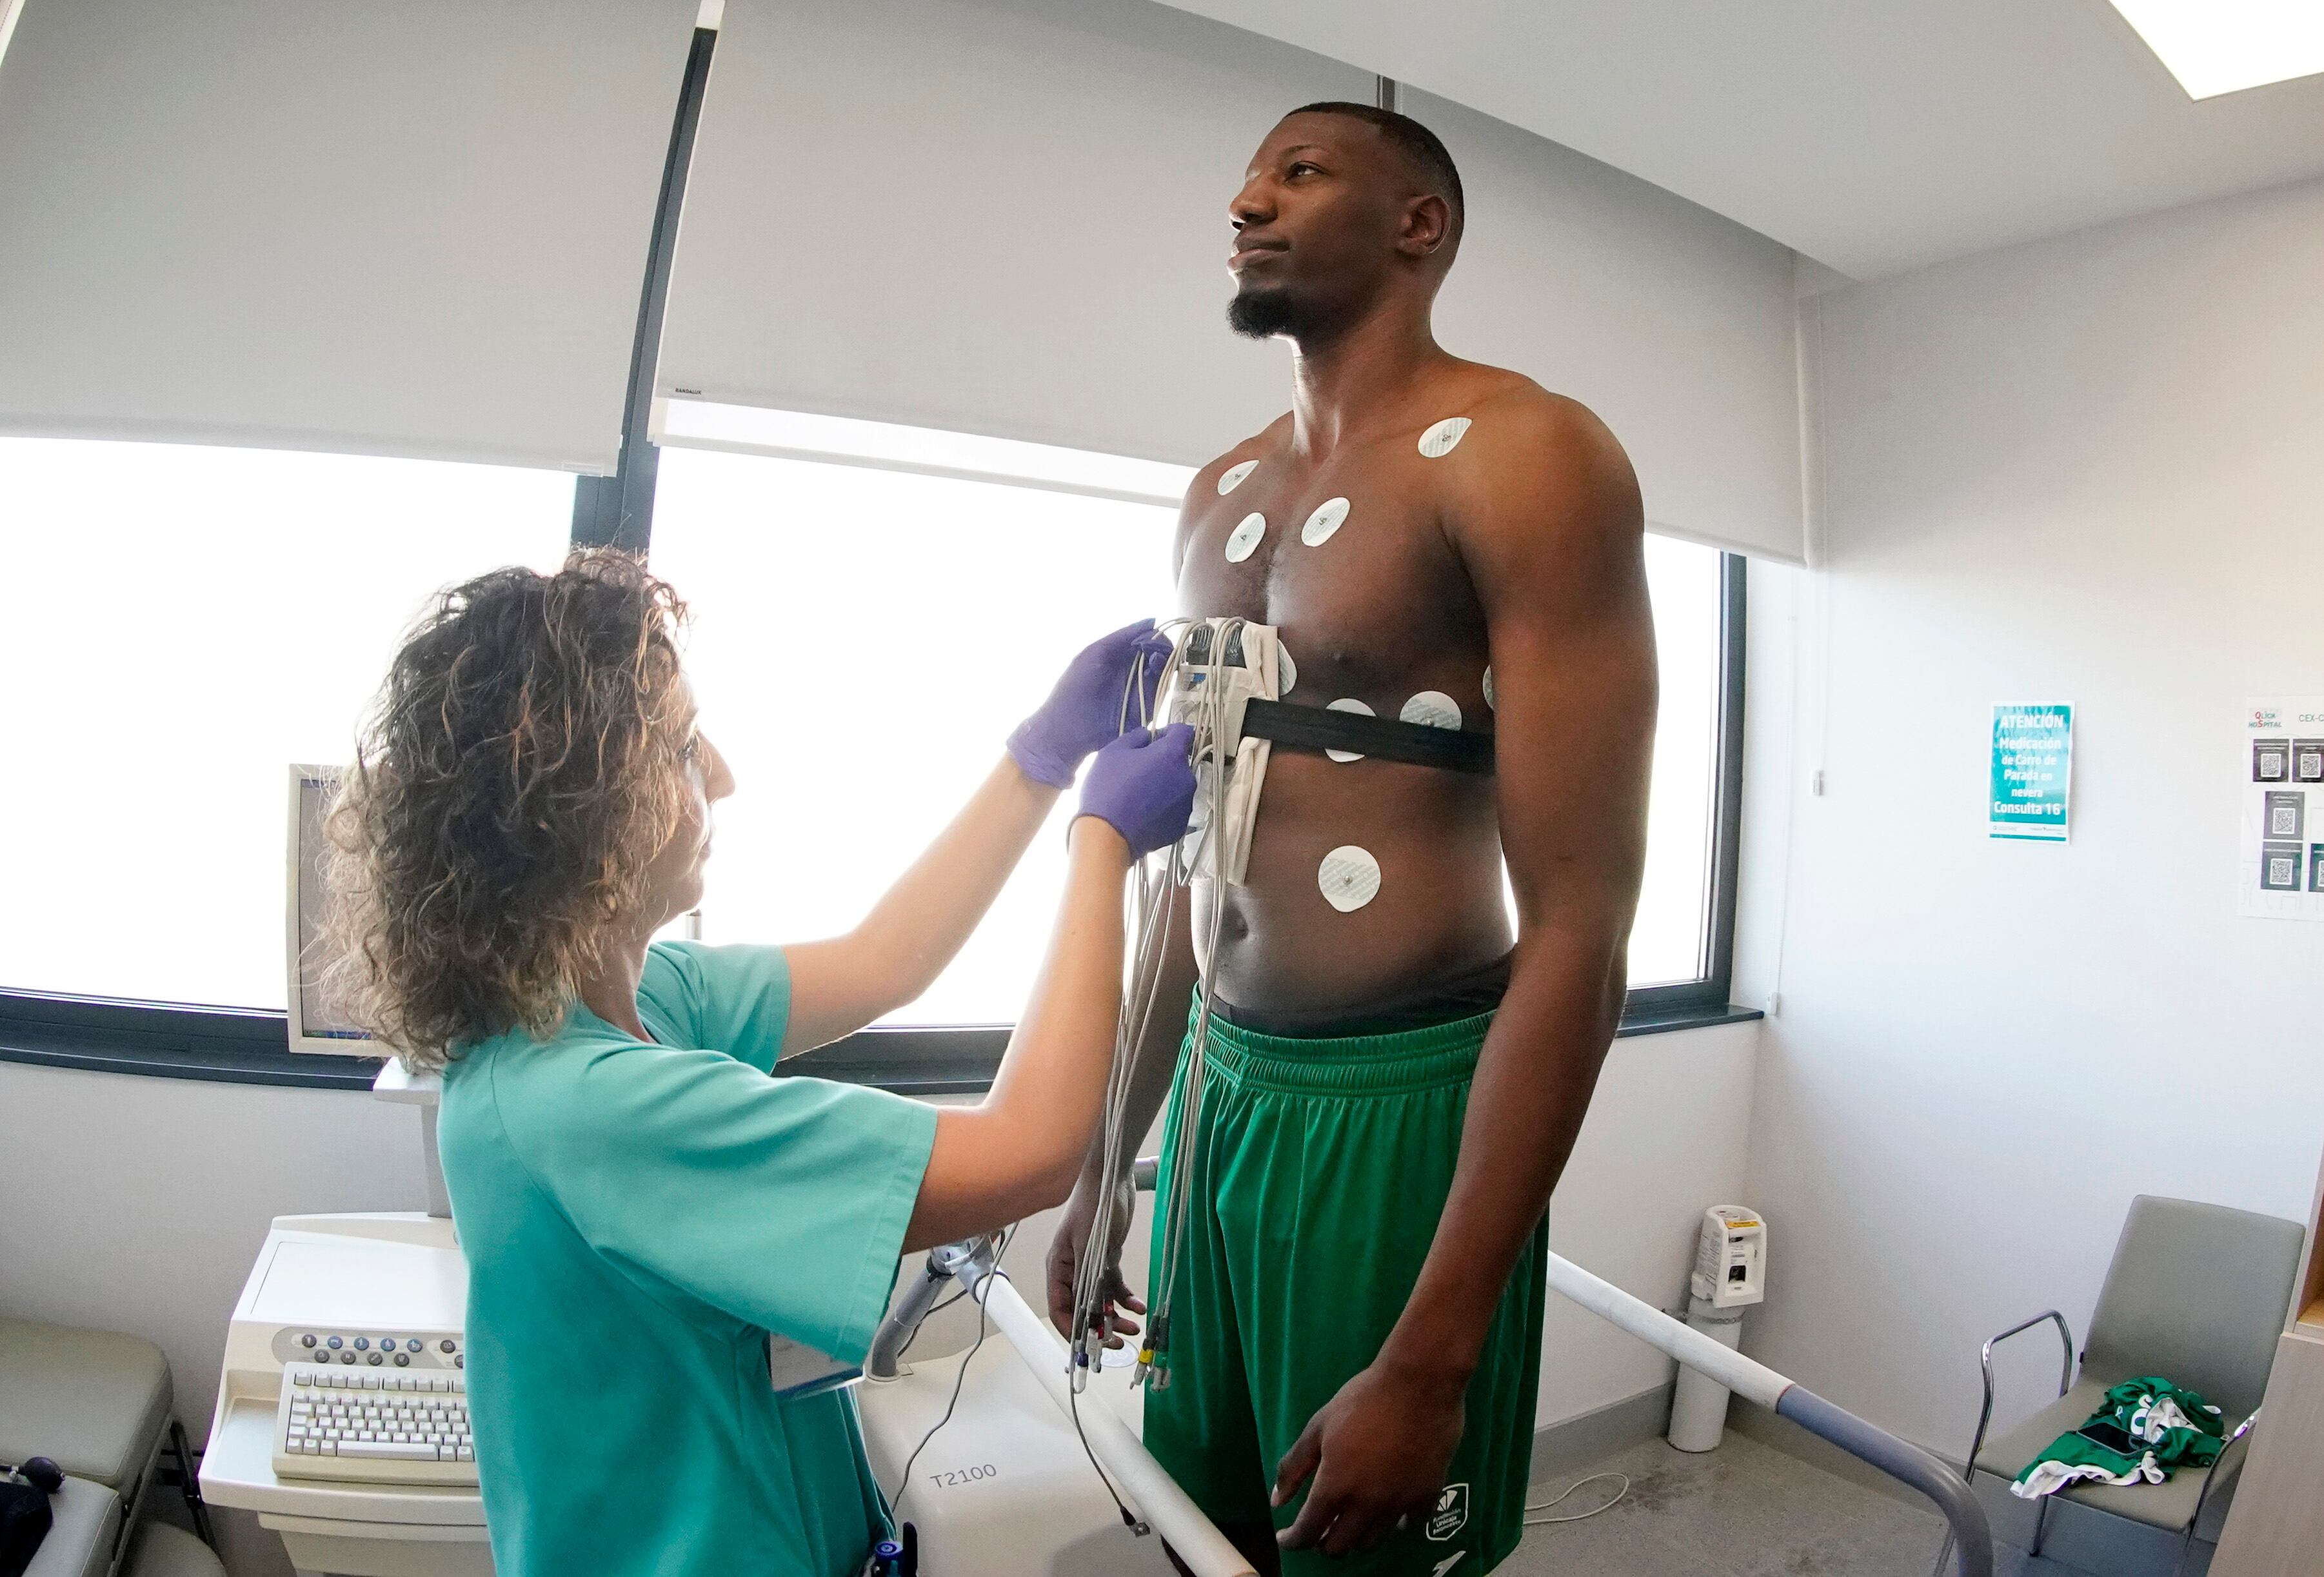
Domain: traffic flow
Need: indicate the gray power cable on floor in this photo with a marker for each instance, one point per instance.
(1579, 1516)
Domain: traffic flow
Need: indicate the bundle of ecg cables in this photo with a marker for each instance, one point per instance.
(1216, 667)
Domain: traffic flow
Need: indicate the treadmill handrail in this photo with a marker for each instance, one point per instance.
(1899, 1459)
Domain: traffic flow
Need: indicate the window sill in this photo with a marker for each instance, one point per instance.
(1662, 1021)
(237, 1046)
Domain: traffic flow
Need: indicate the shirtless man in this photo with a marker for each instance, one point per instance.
(1395, 1084)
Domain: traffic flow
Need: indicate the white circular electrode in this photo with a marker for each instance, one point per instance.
(1348, 704)
(1245, 537)
(1286, 672)
(1432, 709)
(1349, 877)
(1438, 441)
(1324, 522)
(1232, 477)
(1489, 689)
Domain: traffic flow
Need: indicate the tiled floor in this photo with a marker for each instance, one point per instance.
(1744, 1510)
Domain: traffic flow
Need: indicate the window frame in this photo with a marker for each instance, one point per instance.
(252, 1045)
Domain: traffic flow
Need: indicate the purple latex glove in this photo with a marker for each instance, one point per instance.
(1142, 785)
(1085, 710)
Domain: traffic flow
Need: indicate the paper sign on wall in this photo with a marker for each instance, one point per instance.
(2280, 780)
(2033, 773)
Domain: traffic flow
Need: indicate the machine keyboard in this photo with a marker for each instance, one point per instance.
(398, 1427)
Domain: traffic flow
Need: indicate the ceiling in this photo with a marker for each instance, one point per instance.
(1873, 135)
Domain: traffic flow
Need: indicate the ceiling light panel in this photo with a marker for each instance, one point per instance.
(2224, 46)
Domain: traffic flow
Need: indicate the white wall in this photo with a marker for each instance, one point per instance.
(2086, 470)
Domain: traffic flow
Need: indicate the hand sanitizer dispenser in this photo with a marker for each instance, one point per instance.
(1730, 1274)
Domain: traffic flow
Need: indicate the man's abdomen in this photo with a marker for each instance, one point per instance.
(1285, 945)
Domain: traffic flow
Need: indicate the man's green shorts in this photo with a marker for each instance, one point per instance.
(1320, 1167)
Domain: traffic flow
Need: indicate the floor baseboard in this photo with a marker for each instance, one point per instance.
(1579, 1441)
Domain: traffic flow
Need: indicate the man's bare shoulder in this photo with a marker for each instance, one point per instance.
(1514, 414)
(1533, 457)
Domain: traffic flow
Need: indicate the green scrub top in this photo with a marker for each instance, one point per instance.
(636, 1218)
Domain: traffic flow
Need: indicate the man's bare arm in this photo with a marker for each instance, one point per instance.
(1549, 525)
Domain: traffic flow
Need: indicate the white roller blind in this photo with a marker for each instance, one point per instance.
(416, 228)
(1009, 216)
(998, 217)
(1672, 324)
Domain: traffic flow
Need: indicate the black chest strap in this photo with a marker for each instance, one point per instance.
(1318, 728)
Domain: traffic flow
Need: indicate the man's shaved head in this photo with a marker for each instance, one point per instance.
(1421, 148)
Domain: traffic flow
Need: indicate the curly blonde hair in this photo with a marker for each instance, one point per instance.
(519, 768)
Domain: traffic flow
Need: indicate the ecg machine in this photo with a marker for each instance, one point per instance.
(352, 1324)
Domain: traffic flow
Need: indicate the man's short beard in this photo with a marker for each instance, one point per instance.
(1262, 314)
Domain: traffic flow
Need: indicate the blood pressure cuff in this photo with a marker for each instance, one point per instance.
(24, 1523)
(1318, 728)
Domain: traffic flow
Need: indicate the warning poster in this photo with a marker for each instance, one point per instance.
(2280, 780)
(2033, 775)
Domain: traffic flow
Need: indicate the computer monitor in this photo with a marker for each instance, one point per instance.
(318, 1023)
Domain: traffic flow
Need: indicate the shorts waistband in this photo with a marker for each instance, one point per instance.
(1401, 1063)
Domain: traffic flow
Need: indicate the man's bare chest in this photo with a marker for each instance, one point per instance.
(1352, 562)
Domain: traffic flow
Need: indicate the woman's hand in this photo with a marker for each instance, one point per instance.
(1086, 709)
(1142, 786)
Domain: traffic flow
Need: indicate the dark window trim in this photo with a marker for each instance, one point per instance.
(617, 510)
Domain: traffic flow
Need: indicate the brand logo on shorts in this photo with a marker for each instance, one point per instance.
(1448, 1563)
(1451, 1514)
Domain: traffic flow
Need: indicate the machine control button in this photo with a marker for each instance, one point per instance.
(333, 1343)
(402, 1359)
(347, 1357)
(363, 1343)
(445, 1346)
(372, 1358)
(308, 1340)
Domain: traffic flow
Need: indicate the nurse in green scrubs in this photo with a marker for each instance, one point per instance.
(640, 1195)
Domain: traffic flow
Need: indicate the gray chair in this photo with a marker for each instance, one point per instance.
(2197, 1294)
(97, 1402)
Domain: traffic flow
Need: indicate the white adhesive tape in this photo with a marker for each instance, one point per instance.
(1433, 709)
(1232, 477)
(1489, 689)
(1245, 537)
(1348, 704)
(1324, 522)
(1439, 441)
(1349, 877)
(1286, 672)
